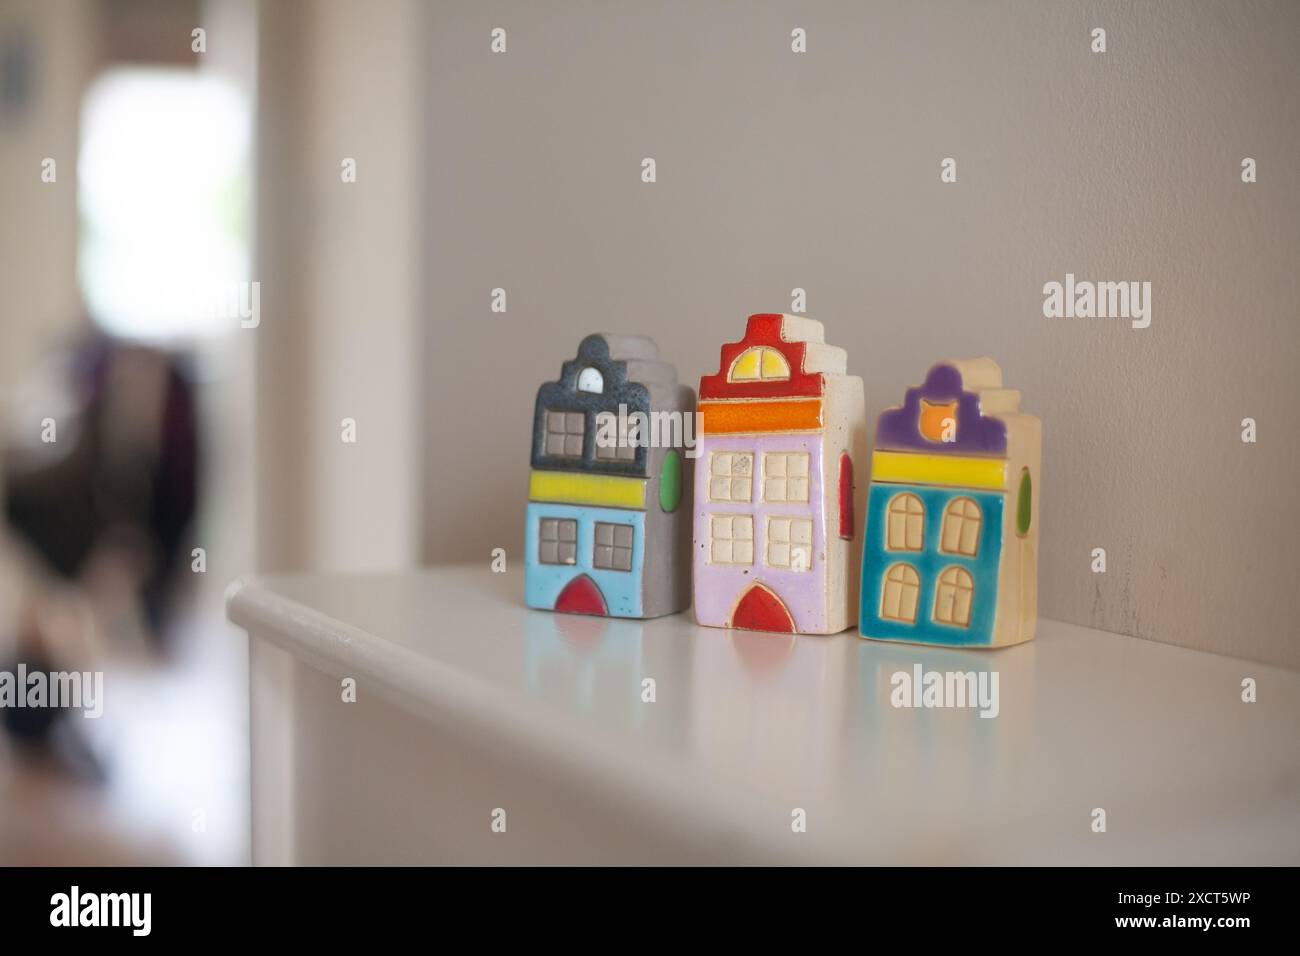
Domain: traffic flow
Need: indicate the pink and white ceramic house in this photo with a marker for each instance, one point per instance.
(776, 543)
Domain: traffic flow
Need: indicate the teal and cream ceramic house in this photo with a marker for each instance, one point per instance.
(951, 549)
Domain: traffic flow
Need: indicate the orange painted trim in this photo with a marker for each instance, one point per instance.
(732, 418)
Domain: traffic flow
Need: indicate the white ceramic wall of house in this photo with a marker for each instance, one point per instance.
(821, 170)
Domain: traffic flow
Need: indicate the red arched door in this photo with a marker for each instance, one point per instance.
(581, 596)
(761, 610)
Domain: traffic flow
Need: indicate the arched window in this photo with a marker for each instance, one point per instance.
(900, 594)
(590, 380)
(846, 497)
(905, 528)
(953, 598)
(961, 527)
(759, 364)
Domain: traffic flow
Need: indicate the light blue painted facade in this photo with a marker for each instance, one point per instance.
(929, 563)
(543, 582)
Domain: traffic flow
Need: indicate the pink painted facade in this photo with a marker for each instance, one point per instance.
(719, 586)
(774, 537)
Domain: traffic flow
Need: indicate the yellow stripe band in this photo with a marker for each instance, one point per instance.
(922, 469)
(576, 488)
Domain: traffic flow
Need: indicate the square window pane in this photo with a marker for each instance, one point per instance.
(801, 531)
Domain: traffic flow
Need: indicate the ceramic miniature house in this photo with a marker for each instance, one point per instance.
(951, 551)
(775, 536)
(608, 529)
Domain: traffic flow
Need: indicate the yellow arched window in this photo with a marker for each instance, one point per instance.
(759, 364)
(900, 594)
(961, 527)
(905, 528)
(953, 598)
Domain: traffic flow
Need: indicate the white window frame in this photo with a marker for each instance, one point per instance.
(908, 582)
(724, 480)
(901, 521)
(789, 488)
(955, 590)
(961, 530)
(731, 539)
(785, 547)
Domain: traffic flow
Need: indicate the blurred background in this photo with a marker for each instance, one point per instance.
(143, 396)
(126, 395)
(226, 226)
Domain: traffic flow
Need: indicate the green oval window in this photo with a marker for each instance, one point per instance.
(670, 482)
(1024, 503)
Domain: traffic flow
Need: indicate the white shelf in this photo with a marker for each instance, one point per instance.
(468, 701)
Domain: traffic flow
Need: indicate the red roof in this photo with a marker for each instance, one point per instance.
(763, 329)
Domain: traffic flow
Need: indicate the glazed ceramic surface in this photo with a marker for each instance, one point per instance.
(608, 520)
(951, 549)
(776, 536)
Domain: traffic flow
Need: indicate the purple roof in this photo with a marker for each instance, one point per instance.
(900, 428)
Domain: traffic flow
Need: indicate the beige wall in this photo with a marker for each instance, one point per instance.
(821, 170)
(40, 303)
(339, 272)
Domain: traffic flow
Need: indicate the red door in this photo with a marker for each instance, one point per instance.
(762, 610)
(581, 596)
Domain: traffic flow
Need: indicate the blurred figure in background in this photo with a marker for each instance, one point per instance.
(123, 489)
(125, 185)
(105, 506)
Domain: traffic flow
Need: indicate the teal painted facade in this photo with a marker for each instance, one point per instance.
(929, 563)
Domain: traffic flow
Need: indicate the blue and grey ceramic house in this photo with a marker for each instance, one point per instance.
(607, 531)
